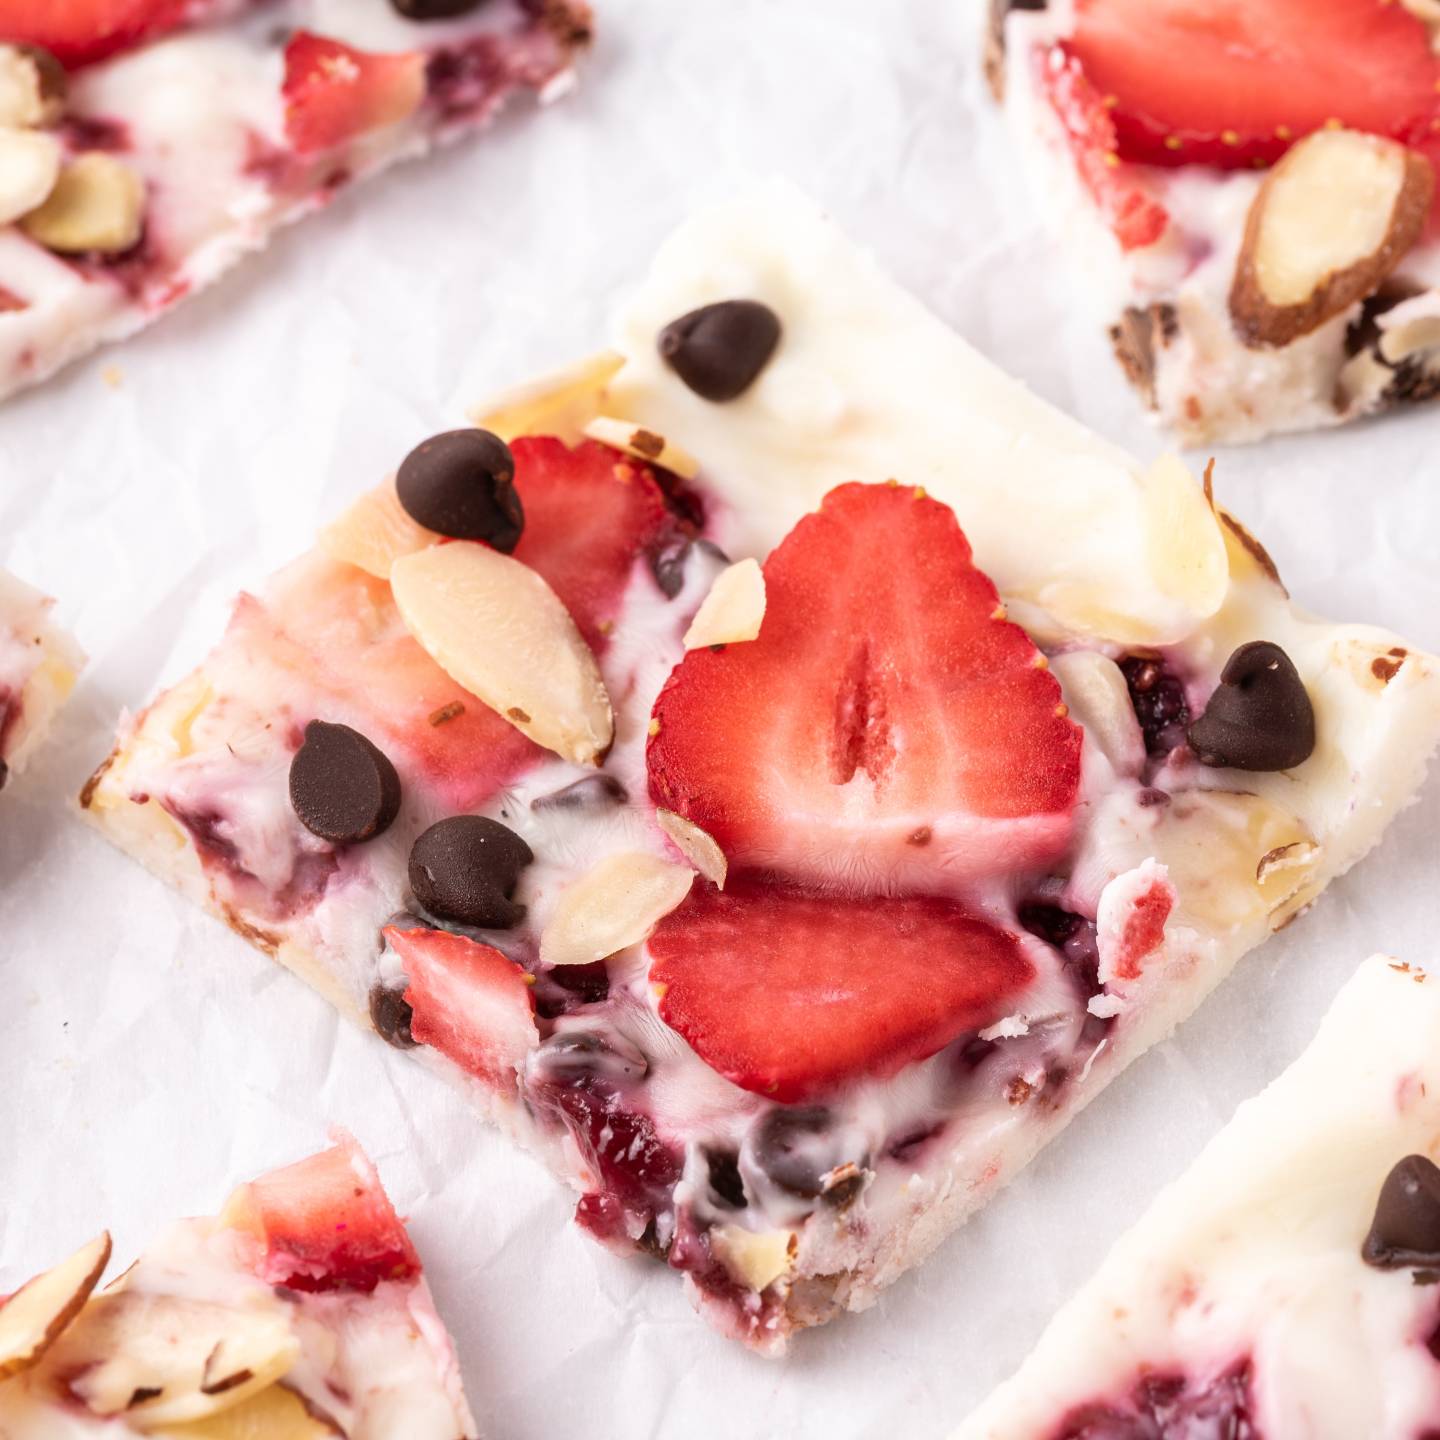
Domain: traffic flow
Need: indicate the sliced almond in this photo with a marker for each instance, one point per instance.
(698, 847)
(613, 906)
(733, 610)
(165, 1360)
(1099, 699)
(643, 444)
(758, 1259)
(29, 168)
(375, 532)
(97, 204)
(1331, 221)
(32, 1319)
(274, 1414)
(498, 629)
(560, 404)
(32, 86)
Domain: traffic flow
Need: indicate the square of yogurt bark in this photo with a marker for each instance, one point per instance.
(785, 909)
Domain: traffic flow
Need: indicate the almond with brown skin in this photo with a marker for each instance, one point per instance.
(1331, 221)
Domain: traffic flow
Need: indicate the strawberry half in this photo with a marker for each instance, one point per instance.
(791, 993)
(470, 1003)
(325, 1224)
(1134, 216)
(334, 93)
(888, 730)
(78, 32)
(1233, 83)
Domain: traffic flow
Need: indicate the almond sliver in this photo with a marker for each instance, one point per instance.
(33, 1318)
(613, 906)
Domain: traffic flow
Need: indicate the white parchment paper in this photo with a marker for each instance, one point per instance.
(148, 1058)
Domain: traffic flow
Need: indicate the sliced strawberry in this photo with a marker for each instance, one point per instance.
(792, 993)
(325, 1224)
(77, 32)
(1233, 82)
(888, 730)
(1132, 213)
(590, 513)
(334, 93)
(589, 518)
(469, 1002)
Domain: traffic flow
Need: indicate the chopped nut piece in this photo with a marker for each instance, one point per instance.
(497, 629)
(1099, 699)
(32, 86)
(97, 204)
(1331, 221)
(643, 445)
(32, 1319)
(732, 611)
(374, 532)
(560, 404)
(29, 168)
(696, 846)
(613, 906)
(757, 1259)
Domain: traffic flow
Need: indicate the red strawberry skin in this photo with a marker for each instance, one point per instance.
(792, 993)
(78, 32)
(1234, 82)
(470, 1003)
(335, 93)
(1134, 216)
(887, 731)
(325, 1224)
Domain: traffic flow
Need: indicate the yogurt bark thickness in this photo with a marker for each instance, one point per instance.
(784, 909)
(1256, 227)
(298, 1313)
(145, 147)
(1284, 1285)
(39, 664)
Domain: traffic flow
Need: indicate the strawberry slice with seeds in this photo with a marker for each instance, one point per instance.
(1134, 215)
(791, 993)
(470, 1003)
(325, 1224)
(1233, 83)
(889, 730)
(334, 93)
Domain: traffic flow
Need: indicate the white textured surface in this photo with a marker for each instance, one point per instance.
(148, 1058)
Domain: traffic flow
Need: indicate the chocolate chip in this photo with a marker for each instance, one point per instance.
(1260, 716)
(434, 9)
(573, 1055)
(795, 1147)
(719, 350)
(343, 789)
(462, 484)
(390, 1014)
(1406, 1228)
(464, 869)
(726, 1185)
(593, 792)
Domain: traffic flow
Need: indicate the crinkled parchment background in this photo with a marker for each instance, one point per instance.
(148, 1058)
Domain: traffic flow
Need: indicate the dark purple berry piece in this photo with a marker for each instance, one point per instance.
(720, 350)
(390, 1014)
(1159, 701)
(462, 484)
(342, 787)
(1260, 716)
(465, 870)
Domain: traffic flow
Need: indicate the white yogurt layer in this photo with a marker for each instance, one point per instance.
(1255, 1252)
(38, 668)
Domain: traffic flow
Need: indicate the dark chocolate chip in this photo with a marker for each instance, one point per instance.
(1260, 716)
(719, 350)
(462, 484)
(434, 9)
(1406, 1228)
(390, 1014)
(342, 787)
(725, 1182)
(465, 869)
(592, 792)
(572, 1055)
(796, 1148)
